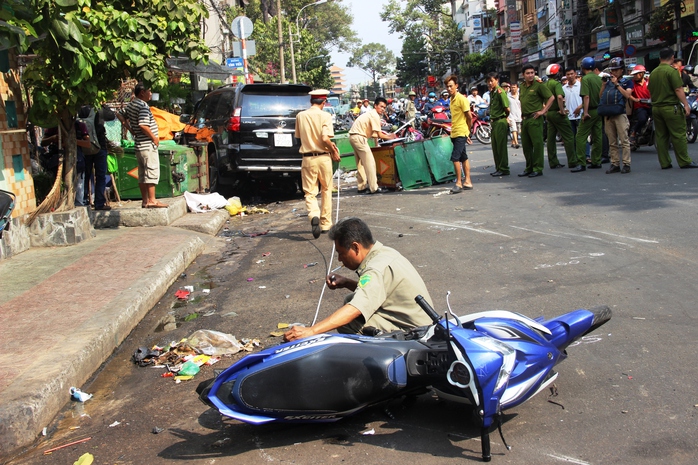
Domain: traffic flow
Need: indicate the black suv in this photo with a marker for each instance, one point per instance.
(248, 130)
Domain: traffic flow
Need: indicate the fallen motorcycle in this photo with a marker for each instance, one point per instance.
(492, 360)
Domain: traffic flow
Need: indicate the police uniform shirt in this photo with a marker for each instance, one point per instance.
(556, 89)
(367, 125)
(459, 107)
(663, 80)
(533, 97)
(498, 103)
(311, 125)
(591, 86)
(388, 284)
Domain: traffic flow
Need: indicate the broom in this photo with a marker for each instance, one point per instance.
(54, 196)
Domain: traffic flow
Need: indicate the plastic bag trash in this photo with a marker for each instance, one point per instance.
(234, 206)
(85, 459)
(189, 369)
(201, 203)
(182, 294)
(188, 288)
(78, 395)
(214, 342)
(116, 423)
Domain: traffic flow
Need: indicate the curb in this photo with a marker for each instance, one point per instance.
(24, 413)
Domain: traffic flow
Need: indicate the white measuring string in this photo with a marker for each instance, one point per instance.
(329, 263)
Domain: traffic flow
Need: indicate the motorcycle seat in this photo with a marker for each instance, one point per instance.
(331, 379)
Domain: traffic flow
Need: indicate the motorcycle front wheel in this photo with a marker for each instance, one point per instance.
(692, 131)
(484, 134)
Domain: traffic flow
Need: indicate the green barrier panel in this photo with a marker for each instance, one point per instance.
(175, 161)
(346, 151)
(438, 152)
(412, 165)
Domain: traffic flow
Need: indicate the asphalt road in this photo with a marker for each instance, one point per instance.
(543, 246)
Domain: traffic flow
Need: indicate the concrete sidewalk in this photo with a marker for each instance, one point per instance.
(65, 309)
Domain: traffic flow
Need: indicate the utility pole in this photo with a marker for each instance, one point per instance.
(281, 43)
(293, 58)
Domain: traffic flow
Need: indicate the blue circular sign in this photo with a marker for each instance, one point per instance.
(630, 50)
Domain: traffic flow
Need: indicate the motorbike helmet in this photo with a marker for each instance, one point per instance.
(616, 63)
(444, 93)
(588, 63)
(412, 93)
(552, 70)
(432, 95)
(638, 69)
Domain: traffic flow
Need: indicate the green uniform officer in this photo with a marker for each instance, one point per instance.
(499, 110)
(666, 90)
(535, 100)
(591, 121)
(558, 120)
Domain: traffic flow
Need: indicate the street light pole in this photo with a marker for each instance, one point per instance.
(298, 34)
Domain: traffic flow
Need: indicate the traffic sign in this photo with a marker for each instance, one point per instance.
(242, 27)
(234, 63)
(630, 50)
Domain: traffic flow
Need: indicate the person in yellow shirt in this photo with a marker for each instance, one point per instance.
(460, 134)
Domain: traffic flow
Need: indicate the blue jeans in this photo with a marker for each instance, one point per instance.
(641, 117)
(96, 165)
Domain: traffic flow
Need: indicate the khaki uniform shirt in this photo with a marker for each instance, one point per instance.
(410, 110)
(367, 125)
(311, 125)
(459, 107)
(388, 284)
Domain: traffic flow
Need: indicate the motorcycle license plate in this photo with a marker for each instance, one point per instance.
(283, 140)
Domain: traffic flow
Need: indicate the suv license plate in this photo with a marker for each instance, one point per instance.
(283, 140)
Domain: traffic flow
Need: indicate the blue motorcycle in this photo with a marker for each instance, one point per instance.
(492, 360)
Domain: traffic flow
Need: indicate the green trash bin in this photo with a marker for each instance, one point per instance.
(438, 152)
(175, 161)
(346, 151)
(412, 165)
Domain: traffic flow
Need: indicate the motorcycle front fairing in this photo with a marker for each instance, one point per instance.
(321, 378)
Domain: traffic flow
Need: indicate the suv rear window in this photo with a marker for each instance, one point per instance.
(258, 105)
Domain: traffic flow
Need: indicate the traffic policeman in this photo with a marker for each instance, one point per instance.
(315, 131)
(535, 101)
(499, 111)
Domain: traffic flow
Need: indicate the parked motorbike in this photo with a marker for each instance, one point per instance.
(437, 123)
(492, 360)
(7, 204)
(407, 132)
(646, 135)
(481, 128)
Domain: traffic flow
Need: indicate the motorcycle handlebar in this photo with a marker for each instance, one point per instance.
(422, 302)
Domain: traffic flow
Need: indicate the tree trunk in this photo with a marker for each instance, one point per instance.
(67, 126)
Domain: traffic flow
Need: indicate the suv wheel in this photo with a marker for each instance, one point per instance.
(212, 168)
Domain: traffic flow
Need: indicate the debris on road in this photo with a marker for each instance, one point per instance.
(221, 442)
(78, 395)
(48, 451)
(182, 294)
(370, 432)
(308, 265)
(116, 423)
(85, 459)
(157, 430)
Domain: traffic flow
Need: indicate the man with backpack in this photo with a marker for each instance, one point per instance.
(614, 94)
(95, 155)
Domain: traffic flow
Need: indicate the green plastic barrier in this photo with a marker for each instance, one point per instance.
(346, 151)
(438, 151)
(175, 172)
(412, 165)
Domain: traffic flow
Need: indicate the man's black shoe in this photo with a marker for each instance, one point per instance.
(362, 191)
(667, 167)
(690, 165)
(559, 165)
(380, 190)
(578, 169)
(498, 173)
(315, 223)
(535, 174)
(613, 169)
(592, 166)
(524, 174)
(103, 208)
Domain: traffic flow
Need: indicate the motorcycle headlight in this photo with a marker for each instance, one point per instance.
(508, 355)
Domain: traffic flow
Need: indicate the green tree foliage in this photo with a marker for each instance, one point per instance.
(373, 58)
(15, 24)
(88, 46)
(320, 28)
(430, 20)
(413, 66)
(478, 64)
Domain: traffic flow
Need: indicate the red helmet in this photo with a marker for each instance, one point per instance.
(552, 70)
(638, 69)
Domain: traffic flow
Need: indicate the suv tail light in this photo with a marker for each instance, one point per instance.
(234, 123)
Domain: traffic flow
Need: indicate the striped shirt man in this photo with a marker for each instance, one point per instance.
(138, 113)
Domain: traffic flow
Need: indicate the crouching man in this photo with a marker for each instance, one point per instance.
(383, 296)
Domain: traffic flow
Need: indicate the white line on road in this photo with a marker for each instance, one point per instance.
(568, 459)
(436, 223)
(650, 241)
(534, 231)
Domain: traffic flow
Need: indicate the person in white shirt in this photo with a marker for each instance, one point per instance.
(573, 101)
(475, 98)
(514, 112)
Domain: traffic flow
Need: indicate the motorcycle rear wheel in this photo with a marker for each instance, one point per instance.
(692, 131)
